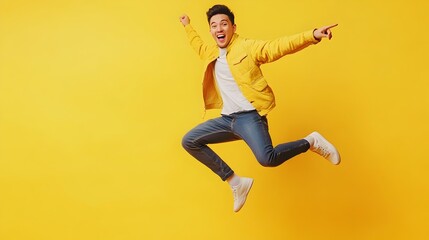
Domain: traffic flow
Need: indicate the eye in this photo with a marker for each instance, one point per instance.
(213, 26)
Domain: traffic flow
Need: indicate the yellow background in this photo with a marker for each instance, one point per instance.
(95, 97)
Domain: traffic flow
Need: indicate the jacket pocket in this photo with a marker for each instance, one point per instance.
(260, 85)
(239, 59)
(242, 65)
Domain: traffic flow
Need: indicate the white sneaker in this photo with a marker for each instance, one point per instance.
(324, 148)
(240, 192)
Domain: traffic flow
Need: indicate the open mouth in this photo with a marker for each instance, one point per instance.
(221, 37)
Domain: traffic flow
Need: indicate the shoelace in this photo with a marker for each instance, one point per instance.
(322, 150)
(234, 192)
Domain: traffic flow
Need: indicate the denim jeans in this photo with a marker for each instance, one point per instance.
(247, 126)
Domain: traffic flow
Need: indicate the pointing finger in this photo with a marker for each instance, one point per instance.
(331, 26)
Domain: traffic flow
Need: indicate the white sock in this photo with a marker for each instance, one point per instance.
(234, 180)
(310, 139)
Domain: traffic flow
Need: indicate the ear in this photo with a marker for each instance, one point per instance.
(234, 27)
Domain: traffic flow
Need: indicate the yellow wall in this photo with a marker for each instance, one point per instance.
(96, 95)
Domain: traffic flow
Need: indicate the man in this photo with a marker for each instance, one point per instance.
(233, 82)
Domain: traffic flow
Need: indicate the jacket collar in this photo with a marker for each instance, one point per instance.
(231, 43)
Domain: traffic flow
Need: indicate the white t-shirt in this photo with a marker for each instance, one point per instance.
(233, 99)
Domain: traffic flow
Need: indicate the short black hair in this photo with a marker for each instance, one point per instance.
(220, 9)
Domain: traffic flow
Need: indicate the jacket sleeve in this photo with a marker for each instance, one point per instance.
(196, 42)
(269, 51)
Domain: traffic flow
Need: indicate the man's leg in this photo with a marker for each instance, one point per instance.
(212, 131)
(216, 131)
(253, 129)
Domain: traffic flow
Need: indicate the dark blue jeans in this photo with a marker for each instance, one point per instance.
(247, 126)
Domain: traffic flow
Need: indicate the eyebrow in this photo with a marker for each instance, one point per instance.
(223, 20)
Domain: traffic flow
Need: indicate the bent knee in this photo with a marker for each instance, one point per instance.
(266, 161)
(187, 142)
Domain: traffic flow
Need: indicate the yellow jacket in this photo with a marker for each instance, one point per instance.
(244, 57)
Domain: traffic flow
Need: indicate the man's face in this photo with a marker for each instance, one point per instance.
(221, 29)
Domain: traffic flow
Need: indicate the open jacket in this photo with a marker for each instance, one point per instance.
(244, 57)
